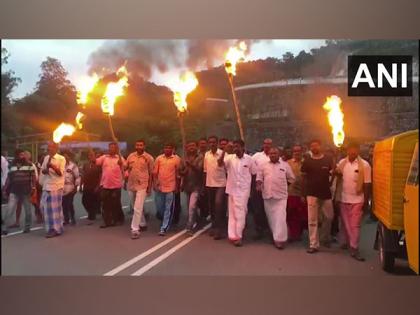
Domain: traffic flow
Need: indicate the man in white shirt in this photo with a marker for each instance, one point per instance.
(356, 179)
(257, 202)
(240, 168)
(273, 179)
(52, 179)
(4, 170)
(215, 175)
(71, 182)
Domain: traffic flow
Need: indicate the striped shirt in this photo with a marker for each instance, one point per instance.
(21, 177)
(71, 178)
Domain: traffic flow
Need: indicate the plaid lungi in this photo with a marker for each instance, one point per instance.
(51, 207)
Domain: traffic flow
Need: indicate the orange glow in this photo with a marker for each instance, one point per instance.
(335, 118)
(113, 91)
(233, 56)
(186, 84)
(80, 116)
(84, 87)
(63, 130)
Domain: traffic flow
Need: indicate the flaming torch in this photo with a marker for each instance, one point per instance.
(79, 118)
(233, 56)
(84, 87)
(113, 91)
(335, 118)
(63, 130)
(186, 84)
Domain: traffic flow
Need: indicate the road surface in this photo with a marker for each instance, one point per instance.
(87, 250)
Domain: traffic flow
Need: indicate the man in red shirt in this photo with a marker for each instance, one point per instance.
(113, 165)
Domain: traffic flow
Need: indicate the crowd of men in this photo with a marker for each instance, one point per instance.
(287, 192)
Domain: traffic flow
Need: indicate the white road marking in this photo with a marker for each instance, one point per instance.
(40, 227)
(20, 232)
(143, 255)
(165, 255)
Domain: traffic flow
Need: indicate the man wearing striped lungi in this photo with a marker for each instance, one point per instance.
(52, 180)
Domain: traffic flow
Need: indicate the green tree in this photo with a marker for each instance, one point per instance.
(8, 116)
(52, 102)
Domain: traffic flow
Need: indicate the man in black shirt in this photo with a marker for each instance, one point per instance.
(91, 177)
(316, 171)
(19, 186)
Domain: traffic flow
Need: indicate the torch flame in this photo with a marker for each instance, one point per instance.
(233, 56)
(85, 85)
(335, 118)
(80, 116)
(61, 131)
(186, 84)
(114, 90)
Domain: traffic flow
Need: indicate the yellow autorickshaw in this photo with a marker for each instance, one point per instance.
(395, 199)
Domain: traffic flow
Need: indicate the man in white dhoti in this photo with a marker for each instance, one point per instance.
(272, 179)
(240, 167)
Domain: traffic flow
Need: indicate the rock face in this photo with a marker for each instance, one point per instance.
(292, 114)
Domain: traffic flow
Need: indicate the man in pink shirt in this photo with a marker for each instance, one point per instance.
(166, 183)
(113, 165)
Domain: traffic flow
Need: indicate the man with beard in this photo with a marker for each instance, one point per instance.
(191, 170)
(316, 171)
(166, 184)
(140, 169)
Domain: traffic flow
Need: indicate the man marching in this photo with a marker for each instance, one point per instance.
(192, 172)
(273, 179)
(113, 165)
(356, 179)
(52, 180)
(140, 168)
(240, 167)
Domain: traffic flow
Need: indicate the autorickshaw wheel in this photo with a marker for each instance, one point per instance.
(387, 258)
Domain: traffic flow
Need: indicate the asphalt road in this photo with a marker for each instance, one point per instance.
(88, 250)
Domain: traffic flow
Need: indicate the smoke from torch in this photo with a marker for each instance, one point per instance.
(335, 119)
(233, 56)
(63, 130)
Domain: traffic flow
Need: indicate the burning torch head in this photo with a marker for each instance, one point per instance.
(233, 56)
